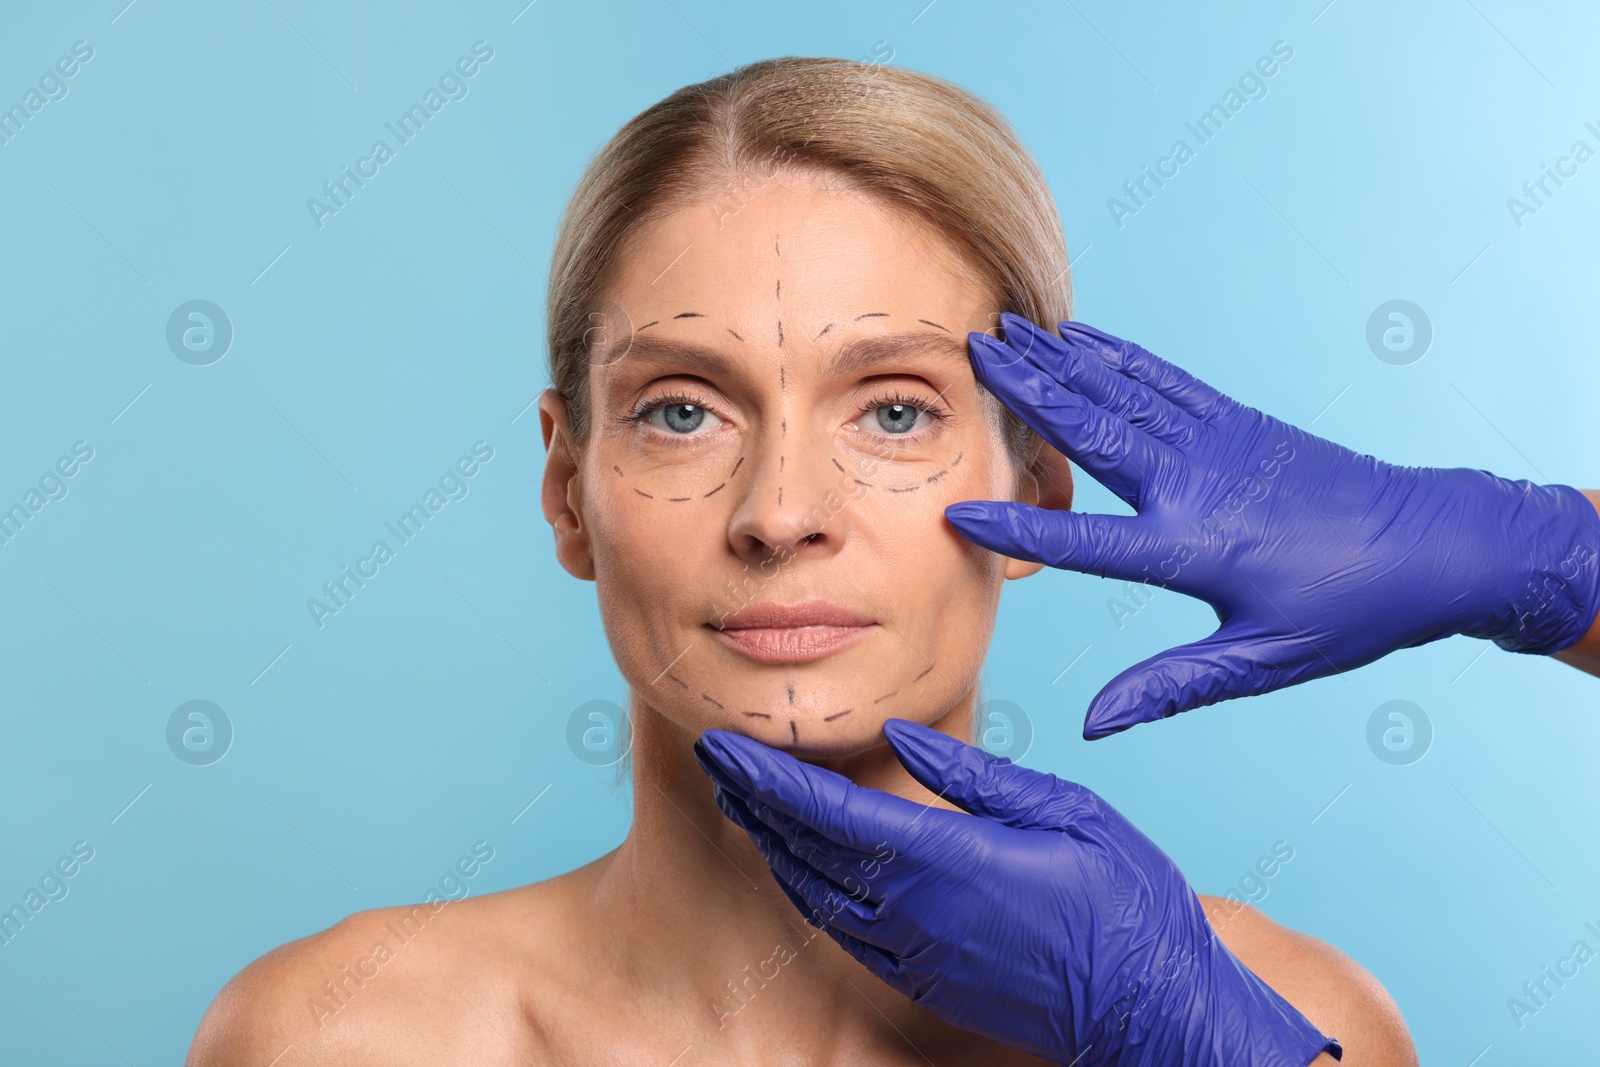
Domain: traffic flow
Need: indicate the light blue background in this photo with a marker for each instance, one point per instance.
(374, 351)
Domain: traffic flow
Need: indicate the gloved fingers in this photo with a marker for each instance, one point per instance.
(825, 902)
(1176, 384)
(814, 895)
(1120, 456)
(838, 862)
(835, 807)
(1219, 667)
(847, 867)
(885, 966)
(1120, 395)
(1111, 546)
(988, 785)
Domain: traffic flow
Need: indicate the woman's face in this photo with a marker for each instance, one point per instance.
(782, 408)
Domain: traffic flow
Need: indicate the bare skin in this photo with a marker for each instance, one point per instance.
(678, 947)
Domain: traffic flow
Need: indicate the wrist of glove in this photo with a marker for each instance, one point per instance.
(1190, 1011)
(1548, 595)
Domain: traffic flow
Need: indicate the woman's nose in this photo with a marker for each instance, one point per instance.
(794, 501)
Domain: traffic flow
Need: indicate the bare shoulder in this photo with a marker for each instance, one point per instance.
(1331, 989)
(445, 981)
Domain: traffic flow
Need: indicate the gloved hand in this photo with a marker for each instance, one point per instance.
(1043, 919)
(1315, 558)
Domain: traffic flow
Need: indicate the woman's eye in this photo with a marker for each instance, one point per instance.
(680, 419)
(895, 419)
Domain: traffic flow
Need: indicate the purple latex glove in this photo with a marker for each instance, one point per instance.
(1315, 558)
(1043, 919)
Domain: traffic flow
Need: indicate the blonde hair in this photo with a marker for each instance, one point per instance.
(910, 139)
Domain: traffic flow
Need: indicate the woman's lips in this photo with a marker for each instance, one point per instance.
(791, 644)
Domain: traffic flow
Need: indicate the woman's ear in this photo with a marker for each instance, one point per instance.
(1045, 482)
(562, 492)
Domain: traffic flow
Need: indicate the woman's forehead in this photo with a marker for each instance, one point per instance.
(809, 255)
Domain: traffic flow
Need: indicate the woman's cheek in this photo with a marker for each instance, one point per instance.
(626, 534)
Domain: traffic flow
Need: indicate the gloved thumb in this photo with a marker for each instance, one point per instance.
(1216, 668)
(1107, 545)
(987, 785)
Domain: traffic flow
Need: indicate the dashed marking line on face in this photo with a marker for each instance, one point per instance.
(935, 325)
(858, 481)
(794, 730)
(755, 714)
(706, 494)
(677, 499)
(618, 470)
(644, 494)
(935, 477)
(836, 463)
(837, 715)
(780, 333)
(714, 703)
(736, 467)
(649, 324)
(680, 681)
(903, 489)
(790, 688)
(736, 336)
(688, 315)
(877, 699)
(780, 496)
(957, 459)
(780, 464)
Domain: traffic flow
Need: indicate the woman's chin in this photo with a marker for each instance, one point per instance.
(819, 737)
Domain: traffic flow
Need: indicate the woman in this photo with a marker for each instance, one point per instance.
(762, 404)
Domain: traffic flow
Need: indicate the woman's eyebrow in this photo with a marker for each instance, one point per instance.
(852, 357)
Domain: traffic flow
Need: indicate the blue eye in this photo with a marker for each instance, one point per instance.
(898, 416)
(677, 416)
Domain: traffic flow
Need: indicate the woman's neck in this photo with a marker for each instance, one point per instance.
(707, 926)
